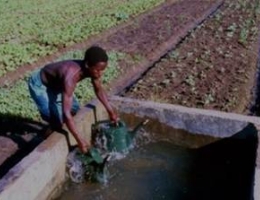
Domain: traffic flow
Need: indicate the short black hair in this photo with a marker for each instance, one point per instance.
(95, 54)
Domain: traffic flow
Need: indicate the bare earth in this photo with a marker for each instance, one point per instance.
(212, 68)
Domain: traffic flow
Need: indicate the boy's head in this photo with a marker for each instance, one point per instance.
(94, 55)
(96, 59)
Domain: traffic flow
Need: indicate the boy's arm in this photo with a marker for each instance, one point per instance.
(102, 96)
(67, 98)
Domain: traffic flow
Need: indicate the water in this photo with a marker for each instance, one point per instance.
(156, 171)
(162, 170)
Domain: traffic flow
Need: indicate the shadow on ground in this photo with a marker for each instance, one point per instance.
(18, 137)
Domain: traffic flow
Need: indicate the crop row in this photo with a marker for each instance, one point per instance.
(213, 67)
(32, 29)
(15, 100)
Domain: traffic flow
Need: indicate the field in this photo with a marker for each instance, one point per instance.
(47, 36)
(33, 29)
(214, 67)
(196, 53)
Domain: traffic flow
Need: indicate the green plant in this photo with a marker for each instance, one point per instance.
(231, 30)
(208, 98)
(121, 16)
(243, 36)
(190, 80)
(41, 32)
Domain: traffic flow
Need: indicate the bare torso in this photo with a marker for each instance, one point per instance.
(63, 74)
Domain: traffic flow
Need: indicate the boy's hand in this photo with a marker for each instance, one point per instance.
(83, 146)
(113, 117)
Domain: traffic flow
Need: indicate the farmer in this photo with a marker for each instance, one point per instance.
(52, 89)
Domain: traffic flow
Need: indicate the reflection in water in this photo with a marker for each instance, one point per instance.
(161, 170)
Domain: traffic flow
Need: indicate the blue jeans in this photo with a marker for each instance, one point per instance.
(48, 101)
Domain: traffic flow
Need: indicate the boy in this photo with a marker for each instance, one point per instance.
(52, 89)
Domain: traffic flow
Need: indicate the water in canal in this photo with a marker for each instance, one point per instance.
(162, 170)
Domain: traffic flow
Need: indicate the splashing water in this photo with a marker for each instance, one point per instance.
(75, 166)
(77, 169)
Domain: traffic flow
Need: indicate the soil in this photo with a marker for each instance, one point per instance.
(150, 37)
(210, 69)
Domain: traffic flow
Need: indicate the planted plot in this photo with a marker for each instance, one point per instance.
(33, 29)
(124, 54)
(145, 35)
(214, 67)
(151, 36)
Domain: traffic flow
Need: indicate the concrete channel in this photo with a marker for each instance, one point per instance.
(42, 173)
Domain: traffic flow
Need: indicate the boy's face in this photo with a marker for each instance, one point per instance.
(97, 69)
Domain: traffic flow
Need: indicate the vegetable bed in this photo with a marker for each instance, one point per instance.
(32, 29)
(215, 67)
(127, 48)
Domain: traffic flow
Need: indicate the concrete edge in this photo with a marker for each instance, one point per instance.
(46, 165)
(42, 173)
(129, 104)
(211, 122)
(39, 173)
